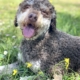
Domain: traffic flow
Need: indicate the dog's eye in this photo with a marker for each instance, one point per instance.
(44, 12)
(26, 6)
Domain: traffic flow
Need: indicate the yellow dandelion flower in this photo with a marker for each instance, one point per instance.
(28, 64)
(66, 62)
(15, 71)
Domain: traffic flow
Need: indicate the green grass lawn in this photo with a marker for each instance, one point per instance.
(68, 20)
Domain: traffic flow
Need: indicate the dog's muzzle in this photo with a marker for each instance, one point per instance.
(29, 29)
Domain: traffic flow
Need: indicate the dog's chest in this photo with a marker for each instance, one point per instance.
(37, 53)
(37, 57)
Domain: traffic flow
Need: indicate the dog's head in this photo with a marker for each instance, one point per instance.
(35, 17)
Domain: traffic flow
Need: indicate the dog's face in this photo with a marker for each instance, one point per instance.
(34, 17)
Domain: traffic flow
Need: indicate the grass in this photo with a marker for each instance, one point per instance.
(68, 20)
(68, 16)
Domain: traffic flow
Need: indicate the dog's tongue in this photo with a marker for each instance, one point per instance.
(28, 32)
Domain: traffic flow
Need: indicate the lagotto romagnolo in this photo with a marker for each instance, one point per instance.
(43, 45)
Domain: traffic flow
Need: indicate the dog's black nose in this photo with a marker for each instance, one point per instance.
(33, 17)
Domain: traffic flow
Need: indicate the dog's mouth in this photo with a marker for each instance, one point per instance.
(28, 31)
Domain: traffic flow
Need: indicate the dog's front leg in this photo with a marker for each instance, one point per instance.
(58, 71)
(57, 76)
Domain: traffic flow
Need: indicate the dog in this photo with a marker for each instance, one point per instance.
(43, 45)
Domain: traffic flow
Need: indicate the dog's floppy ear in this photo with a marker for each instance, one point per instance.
(52, 27)
(15, 22)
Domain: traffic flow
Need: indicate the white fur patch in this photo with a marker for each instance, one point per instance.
(45, 24)
(20, 57)
(21, 17)
(35, 65)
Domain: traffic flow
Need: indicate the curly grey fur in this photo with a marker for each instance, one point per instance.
(55, 47)
(52, 47)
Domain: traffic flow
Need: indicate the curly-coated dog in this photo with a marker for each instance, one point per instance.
(43, 45)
